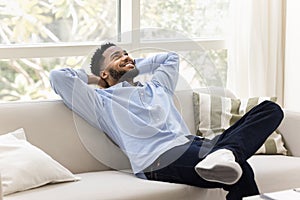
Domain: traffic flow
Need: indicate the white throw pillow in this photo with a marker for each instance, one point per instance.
(24, 166)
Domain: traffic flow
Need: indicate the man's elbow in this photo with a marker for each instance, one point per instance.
(54, 76)
(173, 59)
(174, 55)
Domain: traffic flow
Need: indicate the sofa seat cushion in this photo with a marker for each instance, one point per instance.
(276, 172)
(116, 185)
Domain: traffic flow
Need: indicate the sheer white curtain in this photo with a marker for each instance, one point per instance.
(256, 48)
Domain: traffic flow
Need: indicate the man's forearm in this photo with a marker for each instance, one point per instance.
(150, 64)
(164, 68)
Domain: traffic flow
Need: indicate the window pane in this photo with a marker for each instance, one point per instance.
(201, 68)
(39, 21)
(28, 79)
(193, 18)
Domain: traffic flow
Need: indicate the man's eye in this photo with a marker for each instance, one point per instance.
(125, 54)
(116, 56)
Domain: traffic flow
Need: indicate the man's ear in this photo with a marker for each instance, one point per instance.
(102, 82)
(104, 74)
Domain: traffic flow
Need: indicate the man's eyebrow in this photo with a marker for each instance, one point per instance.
(117, 53)
(114, 53)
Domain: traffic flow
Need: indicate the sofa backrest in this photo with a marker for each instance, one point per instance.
(50, 126)
(66, 137)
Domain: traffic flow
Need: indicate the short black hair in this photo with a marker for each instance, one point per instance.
(97, 59)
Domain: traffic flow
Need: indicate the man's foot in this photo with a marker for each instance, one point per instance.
(220, 166)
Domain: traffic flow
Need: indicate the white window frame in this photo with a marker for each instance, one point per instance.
(130, 22)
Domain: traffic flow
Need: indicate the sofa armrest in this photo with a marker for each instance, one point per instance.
(290, 130)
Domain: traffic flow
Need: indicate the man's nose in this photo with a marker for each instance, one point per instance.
(125, 58)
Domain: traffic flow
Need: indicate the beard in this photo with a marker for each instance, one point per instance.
(123, 75)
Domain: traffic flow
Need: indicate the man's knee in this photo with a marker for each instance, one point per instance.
(274, 108)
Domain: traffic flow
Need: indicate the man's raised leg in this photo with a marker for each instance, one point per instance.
(238, 143)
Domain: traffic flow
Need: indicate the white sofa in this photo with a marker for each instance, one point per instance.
(88, 153)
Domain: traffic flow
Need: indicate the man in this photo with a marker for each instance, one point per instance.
(143, 121)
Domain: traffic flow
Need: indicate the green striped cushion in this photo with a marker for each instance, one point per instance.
(214, 114)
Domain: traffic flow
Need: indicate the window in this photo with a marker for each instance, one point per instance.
(39, 35)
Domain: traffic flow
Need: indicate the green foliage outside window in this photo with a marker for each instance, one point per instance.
(39, 21)
(48, 21)
(193, 18)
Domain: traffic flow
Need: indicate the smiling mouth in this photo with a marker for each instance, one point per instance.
(129, 65)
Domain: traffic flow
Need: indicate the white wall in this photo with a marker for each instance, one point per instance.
(292, 57)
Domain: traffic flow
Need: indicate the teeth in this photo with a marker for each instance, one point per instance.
(129, 65)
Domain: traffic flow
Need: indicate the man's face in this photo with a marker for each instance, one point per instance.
(117, 63)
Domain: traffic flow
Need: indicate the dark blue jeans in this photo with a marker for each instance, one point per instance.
(243, 138)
